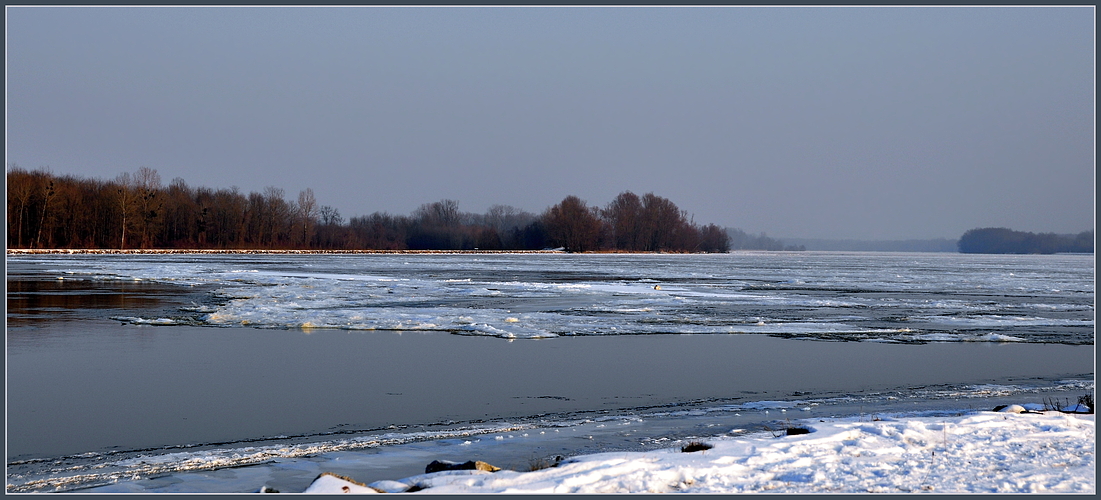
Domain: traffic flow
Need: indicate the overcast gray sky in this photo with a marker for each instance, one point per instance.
(817, 122)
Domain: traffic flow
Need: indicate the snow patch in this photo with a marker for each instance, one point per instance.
(1022, 453)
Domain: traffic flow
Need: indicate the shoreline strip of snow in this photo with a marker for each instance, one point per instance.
(984, 452)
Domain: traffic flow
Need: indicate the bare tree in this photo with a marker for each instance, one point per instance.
(507, 217)
(331, 216)
(70, 214)
(380, 230)
(229, 218)
(307, 209)
(329, 229)
(147, 182)
(276, 213)
(438, 226)
(182, 215)
(497, 215)
(441, 213)
(20, 191)
(125, 200)
(48, 192)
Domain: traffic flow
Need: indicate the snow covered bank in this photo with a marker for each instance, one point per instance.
(984, 452)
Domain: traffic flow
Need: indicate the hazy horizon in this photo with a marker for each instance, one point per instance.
(863, 123)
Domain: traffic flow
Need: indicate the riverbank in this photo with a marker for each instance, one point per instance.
(220, 251)
(261, 251)
(939, 451)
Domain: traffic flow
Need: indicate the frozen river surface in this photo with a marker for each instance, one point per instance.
(149, 368)
(830, 296)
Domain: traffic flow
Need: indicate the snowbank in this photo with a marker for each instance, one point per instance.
(984, 452)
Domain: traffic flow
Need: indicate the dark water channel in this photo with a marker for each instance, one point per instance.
(33, 299)
(93, 385)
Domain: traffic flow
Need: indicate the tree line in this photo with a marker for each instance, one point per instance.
(1003, 240)
(740, 240)
(136, 210)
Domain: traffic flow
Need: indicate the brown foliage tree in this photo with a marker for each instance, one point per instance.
(661, 222)
(624, 217)
(714, 239)
(572, 225)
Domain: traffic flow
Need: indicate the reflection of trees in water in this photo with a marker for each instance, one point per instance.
(45, 299)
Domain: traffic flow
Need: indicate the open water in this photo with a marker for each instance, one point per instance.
(135, 371)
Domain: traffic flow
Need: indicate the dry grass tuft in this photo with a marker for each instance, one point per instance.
(695, 446)
(544, 463)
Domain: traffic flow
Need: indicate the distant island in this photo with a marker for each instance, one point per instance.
(740, 240)
(850, 245)
(983, 240)
(1003, 240)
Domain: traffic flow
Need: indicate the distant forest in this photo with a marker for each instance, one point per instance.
(740, 240)
(1002, 240)
(137, 211)
(925, 245)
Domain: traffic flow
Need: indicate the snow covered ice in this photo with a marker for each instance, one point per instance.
(894, 298)
(986, 452)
